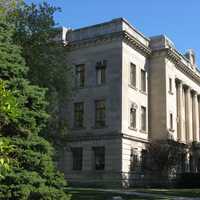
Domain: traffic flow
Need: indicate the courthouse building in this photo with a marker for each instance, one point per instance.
(128, 89)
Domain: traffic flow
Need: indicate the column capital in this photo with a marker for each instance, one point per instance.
(187, 87)
(179, 81)
(194, 92)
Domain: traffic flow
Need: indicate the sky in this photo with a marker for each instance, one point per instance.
(177, 19)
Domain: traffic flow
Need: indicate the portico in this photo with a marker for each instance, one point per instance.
(187, 113)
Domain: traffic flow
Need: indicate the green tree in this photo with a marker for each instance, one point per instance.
(46, 57)
(32, 175)
(8, 112)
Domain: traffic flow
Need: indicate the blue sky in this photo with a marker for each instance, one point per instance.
(178, 19)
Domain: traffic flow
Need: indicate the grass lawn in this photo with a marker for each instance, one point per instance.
(173, 192)
(92, 194)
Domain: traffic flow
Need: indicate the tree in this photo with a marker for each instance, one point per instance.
(46, 58)
(162, 156)
(32, 174)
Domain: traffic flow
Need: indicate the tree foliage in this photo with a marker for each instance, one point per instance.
(31, 173)
(163, 155)
(46, 58)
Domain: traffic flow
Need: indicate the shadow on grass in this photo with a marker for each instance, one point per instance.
(78, 194)
(193, 192)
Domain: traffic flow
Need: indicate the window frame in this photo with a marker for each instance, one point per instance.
(143, 119)
(100, 113)
(170, 85)
(133, 73)
(171, 121)
(80, 76)
(99, 150)
(101, 72)
(79, 111)
(133, 109)
(76, 166)
(143, 82)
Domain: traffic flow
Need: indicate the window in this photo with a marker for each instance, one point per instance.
(143, 80)
(77, 156)
(143, 118)
(133, 159)
(101, 72)
(78, 114)
(80, 76)
(99, 158)
(170, 85)
(133, 75)
(100, 117)
(133, 116)
(171, 121)
(144, 159)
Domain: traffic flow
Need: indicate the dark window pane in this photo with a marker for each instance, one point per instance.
(101, 72)
(80, 75)
(171, 121)
(100, 115)
(170, 84)
(143, 80)
(99, 158)
(133, 75)
(143, 118)
(77, 154)
(78, 114)
(133, 117)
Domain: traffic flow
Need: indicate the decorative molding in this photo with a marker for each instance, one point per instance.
(121, 35)
(89, 137)
(176, 59)
(107, 136)
(135, 43)
(133, 138)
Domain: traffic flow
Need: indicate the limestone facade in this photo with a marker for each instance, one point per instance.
(161, 102)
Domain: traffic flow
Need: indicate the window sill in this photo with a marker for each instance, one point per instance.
(143, 131)
(100, 127)
(143, 92)
(78, 128)
(133, 87)
(170, 92)
(133, 129)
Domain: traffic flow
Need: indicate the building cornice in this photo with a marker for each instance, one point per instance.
(176, 58)
(180, 63)
(121, 35)
(135, 43)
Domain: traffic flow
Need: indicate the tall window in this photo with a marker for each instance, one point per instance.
(100, 113)
(78, 114)
(99, 158)
(170, 85)
(143, 80)
(101, 72)
(133, 160)
(77, 156)
(143, 118)
(80, 76)
(133, 75)
(171, 121)
(133, 116)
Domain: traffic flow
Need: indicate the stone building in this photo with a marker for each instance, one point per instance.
(128, 90)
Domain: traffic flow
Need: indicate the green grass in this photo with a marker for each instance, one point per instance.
(92, 194)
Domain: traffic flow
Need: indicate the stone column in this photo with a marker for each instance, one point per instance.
(179, 96)
(195, 116)
(188, 115)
